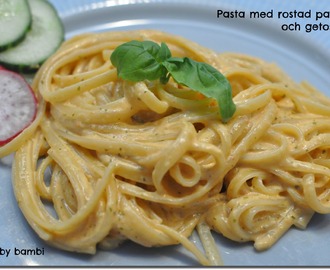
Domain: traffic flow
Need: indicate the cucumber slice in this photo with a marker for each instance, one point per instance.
(45, 36)
(15, 21)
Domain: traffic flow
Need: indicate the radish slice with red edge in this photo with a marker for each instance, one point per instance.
(18, 105)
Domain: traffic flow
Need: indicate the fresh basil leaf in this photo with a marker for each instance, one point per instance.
(138, 60)
(205, 79)
(163, 55)
(146, 60)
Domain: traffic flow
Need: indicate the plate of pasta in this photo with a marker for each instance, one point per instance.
(167, 136)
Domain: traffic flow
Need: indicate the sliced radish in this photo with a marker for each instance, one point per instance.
(18, 105)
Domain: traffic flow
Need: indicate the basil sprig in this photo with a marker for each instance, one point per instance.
(146, 60)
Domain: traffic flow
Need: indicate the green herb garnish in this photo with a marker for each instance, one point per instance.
(146, 60)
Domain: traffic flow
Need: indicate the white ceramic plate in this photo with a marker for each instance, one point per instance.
(295, 54)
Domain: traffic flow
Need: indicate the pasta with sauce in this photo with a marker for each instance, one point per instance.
(151, 163)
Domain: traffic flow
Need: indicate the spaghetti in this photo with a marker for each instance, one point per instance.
(151, 162)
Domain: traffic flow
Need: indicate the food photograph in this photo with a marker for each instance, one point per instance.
(164, 133)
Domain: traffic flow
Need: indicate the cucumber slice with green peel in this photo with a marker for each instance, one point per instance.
(43, 39)
(15, 22)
